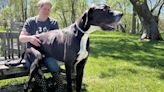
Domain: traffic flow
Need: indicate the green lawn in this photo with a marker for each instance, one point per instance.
(2, 29)
(120, 62)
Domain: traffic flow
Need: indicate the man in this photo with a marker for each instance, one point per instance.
(35, 25)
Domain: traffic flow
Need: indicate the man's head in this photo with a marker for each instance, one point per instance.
(44, 7)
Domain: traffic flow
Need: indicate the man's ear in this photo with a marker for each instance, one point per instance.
(85, 16)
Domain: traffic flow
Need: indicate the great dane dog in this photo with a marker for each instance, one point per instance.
(71, 44)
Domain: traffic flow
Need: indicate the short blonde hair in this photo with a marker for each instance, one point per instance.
(42, 2)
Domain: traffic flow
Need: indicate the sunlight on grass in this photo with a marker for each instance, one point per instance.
(2, 30)
(120, 62)
(12, 81)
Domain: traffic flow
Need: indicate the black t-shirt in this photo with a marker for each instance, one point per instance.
(33, 26)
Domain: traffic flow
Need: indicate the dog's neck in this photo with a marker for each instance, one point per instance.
(83, 53)
(82, 26)
(80, 29)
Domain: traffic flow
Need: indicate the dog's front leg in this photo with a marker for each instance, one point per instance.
(79, 74)
(33, 70)
(68, 76)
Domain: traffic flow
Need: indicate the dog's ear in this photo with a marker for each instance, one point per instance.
(85, 16)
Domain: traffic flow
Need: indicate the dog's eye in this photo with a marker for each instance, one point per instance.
(110, 13)
(105, 9)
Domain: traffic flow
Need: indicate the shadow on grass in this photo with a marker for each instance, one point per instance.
(20, 87)
(84, 88)
(161, 76)
(130, 50)
(115, 72)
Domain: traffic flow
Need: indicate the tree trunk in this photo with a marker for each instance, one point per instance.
(22, 8)
(150, 27)
(25, 13)
(138, 26)
(65, 20)
(73, 11)
(122, 28)
(133, 30)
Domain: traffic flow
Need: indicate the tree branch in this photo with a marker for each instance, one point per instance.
(151, 4)
(160, 8)
(155, 6)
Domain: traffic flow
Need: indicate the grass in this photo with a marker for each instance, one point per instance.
(120, 62)
(2, 29)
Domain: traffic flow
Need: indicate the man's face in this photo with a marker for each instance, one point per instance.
(45, 9)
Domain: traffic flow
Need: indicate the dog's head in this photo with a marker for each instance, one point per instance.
(101, 15)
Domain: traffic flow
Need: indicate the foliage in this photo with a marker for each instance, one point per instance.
(2, 29)
(140, 1)
(33, 8)
(62, 9)
(63, 12)
(6, 13)
(125, 7)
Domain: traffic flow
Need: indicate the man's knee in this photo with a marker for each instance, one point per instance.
(51, 64)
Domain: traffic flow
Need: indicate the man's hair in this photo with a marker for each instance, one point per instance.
(42, 2)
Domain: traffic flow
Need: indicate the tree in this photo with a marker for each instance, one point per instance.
(156, 9)
(68, 10)
(73, 11)
(24, 9)
(134, 22)
(13, 10)
(33, 8)
(16, 9)
(150, 27)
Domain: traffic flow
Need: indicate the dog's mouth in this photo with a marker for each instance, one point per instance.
(112, 26)
(109, 26)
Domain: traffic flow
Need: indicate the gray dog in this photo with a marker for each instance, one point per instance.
(71, 44)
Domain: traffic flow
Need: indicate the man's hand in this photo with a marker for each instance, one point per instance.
(34, 40)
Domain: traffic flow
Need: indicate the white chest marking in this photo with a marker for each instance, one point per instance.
(83, 53)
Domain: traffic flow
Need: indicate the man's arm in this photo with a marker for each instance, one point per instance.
(24, 37)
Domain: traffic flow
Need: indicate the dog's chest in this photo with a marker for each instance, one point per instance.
(83, 53)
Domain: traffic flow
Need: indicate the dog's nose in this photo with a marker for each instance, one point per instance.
(118, 13)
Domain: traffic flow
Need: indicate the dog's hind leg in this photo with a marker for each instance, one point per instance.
(79, 75)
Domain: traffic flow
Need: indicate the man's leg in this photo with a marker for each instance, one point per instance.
(39, 78)
(54, 68)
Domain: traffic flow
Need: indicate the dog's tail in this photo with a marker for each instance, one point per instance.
(8, 63)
